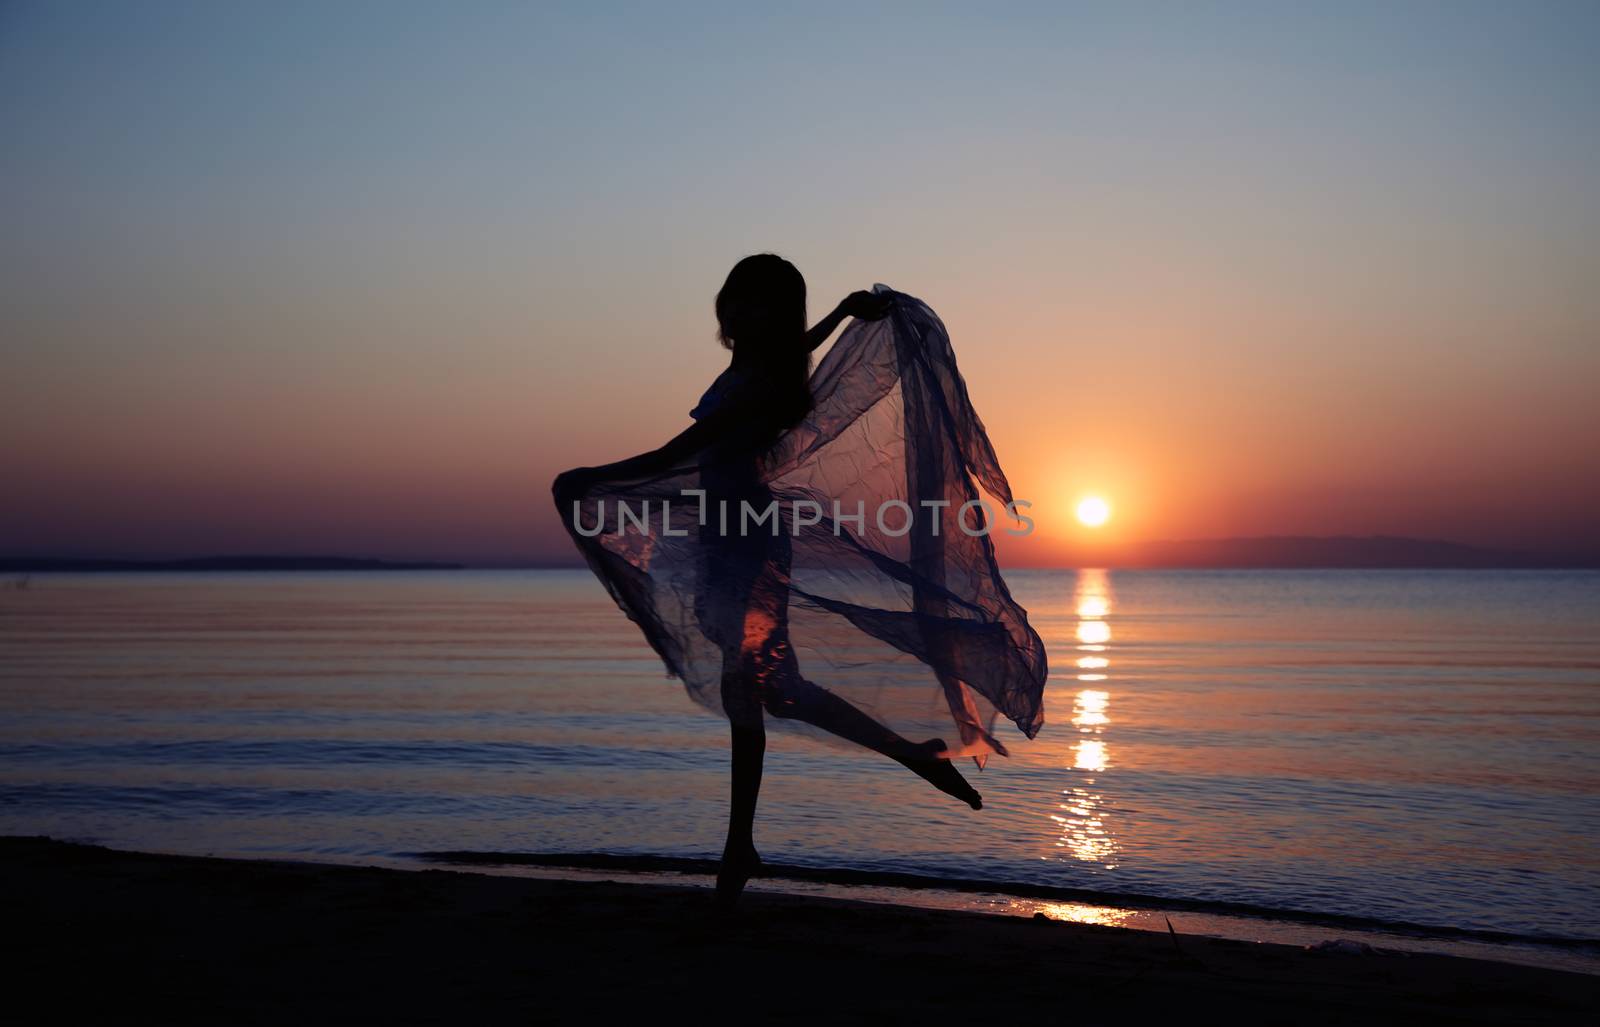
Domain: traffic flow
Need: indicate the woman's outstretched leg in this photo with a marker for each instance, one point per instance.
(769, 663)
(808, 701)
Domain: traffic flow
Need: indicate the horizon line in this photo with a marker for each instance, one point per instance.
(1244, 553)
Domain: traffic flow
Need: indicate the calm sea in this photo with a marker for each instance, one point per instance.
(1409, 747)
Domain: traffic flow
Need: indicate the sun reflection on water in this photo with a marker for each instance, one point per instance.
(1079, 913)
(1082, 820)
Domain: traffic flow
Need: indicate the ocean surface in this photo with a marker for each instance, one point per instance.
(1405, 748)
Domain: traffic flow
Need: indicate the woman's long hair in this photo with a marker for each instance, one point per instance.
(761, 317)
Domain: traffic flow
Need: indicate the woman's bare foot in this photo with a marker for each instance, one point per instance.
(941, 773)
(739, 864)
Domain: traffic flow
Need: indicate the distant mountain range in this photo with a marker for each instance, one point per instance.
(1370, 551)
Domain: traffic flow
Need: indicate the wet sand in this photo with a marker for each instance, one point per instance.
(104, 935)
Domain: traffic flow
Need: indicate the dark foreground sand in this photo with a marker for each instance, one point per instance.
(116, 937)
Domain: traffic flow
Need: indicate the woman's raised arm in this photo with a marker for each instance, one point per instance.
(868, 306)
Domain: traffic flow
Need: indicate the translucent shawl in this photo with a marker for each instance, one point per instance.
(902, 612)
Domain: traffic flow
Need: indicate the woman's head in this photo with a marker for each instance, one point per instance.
(761, 308)
(761, 316)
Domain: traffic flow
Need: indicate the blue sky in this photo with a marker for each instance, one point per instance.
(281, 276)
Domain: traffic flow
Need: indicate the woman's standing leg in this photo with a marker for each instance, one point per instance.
(736, 564)
(749, 744)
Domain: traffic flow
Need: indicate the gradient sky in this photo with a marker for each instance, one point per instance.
(361, 278)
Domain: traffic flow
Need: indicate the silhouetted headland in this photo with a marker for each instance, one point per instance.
(1308, 552)
(45, 565)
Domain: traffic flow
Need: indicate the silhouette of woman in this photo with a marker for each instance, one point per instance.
(713, 595)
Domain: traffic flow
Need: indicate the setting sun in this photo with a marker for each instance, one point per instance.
(1094, 511)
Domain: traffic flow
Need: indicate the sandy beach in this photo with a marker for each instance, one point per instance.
(103, 934)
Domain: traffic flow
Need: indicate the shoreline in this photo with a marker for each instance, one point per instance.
(845, 877)
(190, 938)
